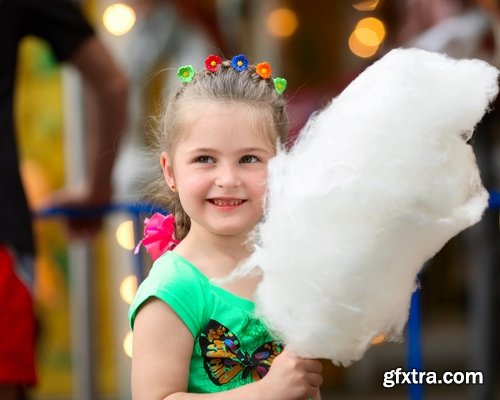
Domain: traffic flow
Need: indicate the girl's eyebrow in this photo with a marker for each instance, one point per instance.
(254, 149)
(244, 150)
(202, 150)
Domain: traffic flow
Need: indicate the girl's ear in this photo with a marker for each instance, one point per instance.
(168, 171)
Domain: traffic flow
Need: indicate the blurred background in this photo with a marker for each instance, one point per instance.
(83, 288)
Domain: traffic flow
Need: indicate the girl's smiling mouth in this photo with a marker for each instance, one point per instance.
(225, 203)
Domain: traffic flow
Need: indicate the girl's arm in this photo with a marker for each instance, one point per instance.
(162, 353)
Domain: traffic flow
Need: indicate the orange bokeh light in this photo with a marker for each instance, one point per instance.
(282, 22)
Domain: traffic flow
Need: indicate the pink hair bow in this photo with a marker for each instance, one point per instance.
(158, 235)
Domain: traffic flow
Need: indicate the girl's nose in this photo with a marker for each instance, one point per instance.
(227, 177)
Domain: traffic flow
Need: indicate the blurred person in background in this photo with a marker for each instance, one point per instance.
(455, 27)
(72, 39)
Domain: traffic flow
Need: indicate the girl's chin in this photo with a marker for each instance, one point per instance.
(229, 226)
(230, 230)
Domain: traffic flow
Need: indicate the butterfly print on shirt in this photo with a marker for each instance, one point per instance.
(223, 360)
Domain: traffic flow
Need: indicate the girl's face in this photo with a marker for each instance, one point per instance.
(219, 168)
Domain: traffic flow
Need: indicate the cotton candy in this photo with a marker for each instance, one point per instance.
(376, 184)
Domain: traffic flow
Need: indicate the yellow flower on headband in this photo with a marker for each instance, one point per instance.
(263, 69)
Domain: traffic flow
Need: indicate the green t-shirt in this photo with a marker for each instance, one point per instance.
(231, 347)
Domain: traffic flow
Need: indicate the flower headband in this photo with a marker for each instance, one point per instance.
(239, 63)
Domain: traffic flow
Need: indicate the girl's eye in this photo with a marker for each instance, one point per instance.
(248, 159)
(204, 159)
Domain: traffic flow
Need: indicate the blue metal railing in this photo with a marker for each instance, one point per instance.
(494, 200)
(130, 208)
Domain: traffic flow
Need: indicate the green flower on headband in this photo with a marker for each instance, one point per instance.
(239, 62)
(186, 73)
(280, 85)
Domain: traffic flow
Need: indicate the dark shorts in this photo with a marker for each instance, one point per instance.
(17, 325)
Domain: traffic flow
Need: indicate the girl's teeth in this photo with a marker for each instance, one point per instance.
(222, 203)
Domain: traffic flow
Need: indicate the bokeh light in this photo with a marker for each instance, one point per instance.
(366, 5)
(127, 344)
(374, 25)
(367, 37)
(128, 288)
(378, 339)
(125, 235)
(359, 49)
(282, 22)
(118, 18)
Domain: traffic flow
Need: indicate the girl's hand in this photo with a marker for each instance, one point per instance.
(292, 378)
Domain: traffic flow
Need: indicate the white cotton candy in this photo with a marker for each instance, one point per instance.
(379, 181)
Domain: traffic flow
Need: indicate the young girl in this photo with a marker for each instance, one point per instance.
(194, 339)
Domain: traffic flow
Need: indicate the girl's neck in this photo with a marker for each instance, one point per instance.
(214, 255)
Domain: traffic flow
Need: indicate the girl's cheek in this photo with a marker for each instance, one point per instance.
(195, 180)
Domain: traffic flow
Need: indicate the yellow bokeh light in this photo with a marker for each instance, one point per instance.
(360, 49)
(367, 37)
(118, 18)
(127, 344)
(125, 235)
(282, 22)
(367, 5)
(373, 24)
(128, 288)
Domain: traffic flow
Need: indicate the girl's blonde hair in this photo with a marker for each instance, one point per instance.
(225, 85)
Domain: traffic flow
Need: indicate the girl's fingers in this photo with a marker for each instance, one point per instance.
(317, 395)
(313, 366)
(315, 380)
(313, 394)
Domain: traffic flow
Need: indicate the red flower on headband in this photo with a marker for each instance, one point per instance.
(212, 62)
(263, 69)
(158, 235)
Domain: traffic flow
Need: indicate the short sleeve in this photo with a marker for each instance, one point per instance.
(60, 22)
(177, 284)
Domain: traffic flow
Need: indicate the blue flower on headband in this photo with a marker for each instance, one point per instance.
(239, 62)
